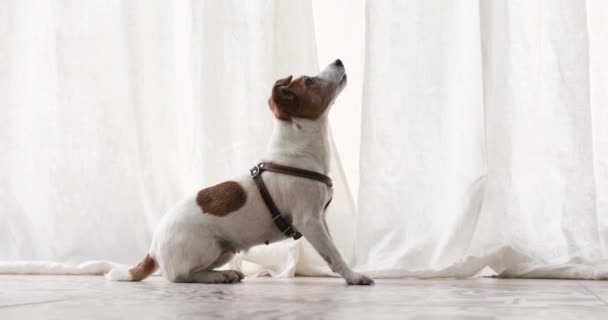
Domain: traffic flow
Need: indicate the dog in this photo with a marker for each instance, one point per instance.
(206, 229)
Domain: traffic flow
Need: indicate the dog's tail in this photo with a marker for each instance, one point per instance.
(144, 269)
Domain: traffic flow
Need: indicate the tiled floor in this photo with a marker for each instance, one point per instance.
(85, 297)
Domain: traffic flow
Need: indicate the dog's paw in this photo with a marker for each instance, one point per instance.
(232, 276)
(360, 280)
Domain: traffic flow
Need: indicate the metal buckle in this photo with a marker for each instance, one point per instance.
(254, 171)
(257, 169)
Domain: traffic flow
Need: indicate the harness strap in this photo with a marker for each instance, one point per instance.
(269, 166)
(285, 227)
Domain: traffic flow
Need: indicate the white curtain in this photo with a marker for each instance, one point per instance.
(483, 139)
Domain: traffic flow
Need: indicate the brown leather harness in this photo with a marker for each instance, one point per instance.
(256, 173)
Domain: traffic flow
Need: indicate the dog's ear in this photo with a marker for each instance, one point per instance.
(283, 102)
(283, 82)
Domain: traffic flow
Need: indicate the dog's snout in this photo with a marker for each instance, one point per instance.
(338, 63)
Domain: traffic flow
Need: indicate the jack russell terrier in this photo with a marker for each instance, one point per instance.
(285, 194)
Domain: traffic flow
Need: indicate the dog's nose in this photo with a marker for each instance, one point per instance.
(338, 62)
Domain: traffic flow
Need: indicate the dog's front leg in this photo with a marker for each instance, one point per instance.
(315, 232)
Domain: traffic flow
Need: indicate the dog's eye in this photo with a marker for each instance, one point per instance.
(309, 81)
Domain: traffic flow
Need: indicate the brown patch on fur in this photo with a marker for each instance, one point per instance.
(298, 99)
(145, 268)
(221, 199)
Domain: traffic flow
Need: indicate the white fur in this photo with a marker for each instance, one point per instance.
(119, 274)
(188, 244)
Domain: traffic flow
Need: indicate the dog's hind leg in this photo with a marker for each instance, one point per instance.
(212, 276)
(206, 274)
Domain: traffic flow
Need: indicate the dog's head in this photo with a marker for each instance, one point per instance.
(307, 97)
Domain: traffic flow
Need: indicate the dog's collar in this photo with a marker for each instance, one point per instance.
(256, 173)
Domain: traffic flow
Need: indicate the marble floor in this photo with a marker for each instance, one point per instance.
(90, 297)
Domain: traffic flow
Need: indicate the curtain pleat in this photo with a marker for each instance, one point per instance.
(494, 153)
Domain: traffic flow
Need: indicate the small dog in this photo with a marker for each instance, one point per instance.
(206, 229)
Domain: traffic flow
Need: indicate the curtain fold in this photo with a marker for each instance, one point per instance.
(597, 24)
(487, 111)
(423, 170)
